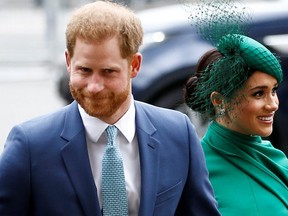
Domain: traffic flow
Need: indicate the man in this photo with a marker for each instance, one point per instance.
(52, 165)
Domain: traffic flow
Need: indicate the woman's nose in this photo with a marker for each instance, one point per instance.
(272, 103)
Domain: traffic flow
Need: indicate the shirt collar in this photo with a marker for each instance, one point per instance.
(127, 123)
(94, 127)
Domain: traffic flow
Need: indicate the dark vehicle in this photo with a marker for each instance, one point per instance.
(172, 48)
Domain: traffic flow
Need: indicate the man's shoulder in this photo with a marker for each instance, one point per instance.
(51, 118)
(160, 115)
(156, 109)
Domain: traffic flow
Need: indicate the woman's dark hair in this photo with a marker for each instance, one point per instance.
(203, 66)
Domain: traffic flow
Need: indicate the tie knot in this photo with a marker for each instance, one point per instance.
(111, 131)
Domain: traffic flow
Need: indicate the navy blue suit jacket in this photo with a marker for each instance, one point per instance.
(45, 169)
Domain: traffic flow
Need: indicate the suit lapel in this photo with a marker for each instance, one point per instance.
(149, 160)
(76, 160)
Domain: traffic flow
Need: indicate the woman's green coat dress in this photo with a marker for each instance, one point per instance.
(249, 176)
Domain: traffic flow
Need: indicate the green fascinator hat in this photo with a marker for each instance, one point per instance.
(223, 23)
(254, 54)
(241, 56)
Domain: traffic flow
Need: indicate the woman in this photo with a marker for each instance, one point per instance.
(235, 85)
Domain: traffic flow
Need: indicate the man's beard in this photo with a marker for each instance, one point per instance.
(100, 105)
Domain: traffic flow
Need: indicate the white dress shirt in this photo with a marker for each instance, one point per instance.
(96, 139)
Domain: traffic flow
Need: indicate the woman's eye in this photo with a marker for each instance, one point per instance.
(258, 94)
(274, 90)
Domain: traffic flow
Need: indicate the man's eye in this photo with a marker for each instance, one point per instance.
(85, 70)
(109, 70)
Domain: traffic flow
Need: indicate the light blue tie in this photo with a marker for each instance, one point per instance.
(115, 202)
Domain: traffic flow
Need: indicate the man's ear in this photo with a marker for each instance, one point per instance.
(136, 62)
(68, 61)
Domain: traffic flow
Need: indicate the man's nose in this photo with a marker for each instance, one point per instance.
(96, 83)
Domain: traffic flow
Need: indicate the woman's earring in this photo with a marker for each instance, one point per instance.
(222, 112)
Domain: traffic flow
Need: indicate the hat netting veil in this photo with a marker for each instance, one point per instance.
(224, 23)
